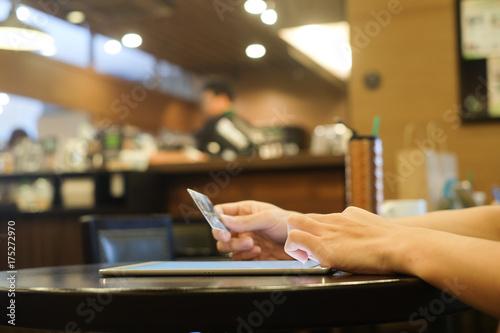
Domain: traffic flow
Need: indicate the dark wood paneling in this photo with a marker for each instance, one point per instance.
(314, 190)
(42, 240)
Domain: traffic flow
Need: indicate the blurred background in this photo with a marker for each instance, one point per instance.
(100, 101)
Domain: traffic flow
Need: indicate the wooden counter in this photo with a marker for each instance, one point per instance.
(302, 183)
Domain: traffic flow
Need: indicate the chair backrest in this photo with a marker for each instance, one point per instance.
(113, 239)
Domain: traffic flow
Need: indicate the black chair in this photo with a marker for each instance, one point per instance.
(114, 239)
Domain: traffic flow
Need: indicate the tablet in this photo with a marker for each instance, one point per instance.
(166, 268)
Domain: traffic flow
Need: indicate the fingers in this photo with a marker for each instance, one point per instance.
(235, 208)
(243, 247)
(305, 223)
(221, 235)
(304, 241)
(251, 254)
(301, 245)
(236, 244)
(257, 221)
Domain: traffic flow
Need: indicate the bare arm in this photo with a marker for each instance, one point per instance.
(357, 241)
(481, 222)
(465, 267)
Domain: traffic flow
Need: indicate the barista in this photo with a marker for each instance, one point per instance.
(223, 131)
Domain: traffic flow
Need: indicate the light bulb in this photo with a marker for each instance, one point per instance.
(112, 47)
(4, 99)
(132, 40)
(23, 13)
(75, 17)
(255, 6)
(255, 51)
(269, 17)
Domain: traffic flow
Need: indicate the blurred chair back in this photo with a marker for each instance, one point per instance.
(113, 239)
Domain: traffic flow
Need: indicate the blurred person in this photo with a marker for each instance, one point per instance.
(220, 134)
(456, 251)
(17, 136)
(223, 129)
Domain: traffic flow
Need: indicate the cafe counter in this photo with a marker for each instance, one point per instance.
(52, 237)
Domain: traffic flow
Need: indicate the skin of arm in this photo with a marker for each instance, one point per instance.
(361, 242)
(455, 251)
(480, 222)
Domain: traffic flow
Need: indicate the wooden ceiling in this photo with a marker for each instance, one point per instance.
(204, 36)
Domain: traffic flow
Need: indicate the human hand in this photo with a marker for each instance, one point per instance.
(258, 230)
(354, 241)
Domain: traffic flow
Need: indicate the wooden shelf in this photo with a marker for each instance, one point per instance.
(252, 163)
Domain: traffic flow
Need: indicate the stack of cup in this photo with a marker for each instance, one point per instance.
(364, 173)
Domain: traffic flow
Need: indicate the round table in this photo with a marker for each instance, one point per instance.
(77, 298)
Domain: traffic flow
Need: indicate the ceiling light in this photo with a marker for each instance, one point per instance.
(17, 36)
(269, 17)
(112, 47)
(75, 17)
(326, 44)
(4, 99)
(255, 51)
(23, 13)
(49, 51)
(132, 40)
(255, 6)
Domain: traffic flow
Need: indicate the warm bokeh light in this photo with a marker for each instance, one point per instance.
(23, 13)
(49, 51)
(75, 17)
(4, 99)
(132, 40)
(255, 6)
(326, 44)
(269, 17)
(18, 32)
(112, 47)
(255, 51)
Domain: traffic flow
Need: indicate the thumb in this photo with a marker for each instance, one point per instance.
(301, 245)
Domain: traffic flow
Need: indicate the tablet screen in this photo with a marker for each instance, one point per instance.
(218, 267)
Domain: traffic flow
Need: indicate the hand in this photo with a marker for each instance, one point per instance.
(354, 241)
(258, 230)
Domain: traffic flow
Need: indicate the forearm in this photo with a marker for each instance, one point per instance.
(465, 267)
(480, 222)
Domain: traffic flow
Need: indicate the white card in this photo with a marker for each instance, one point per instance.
(208, 210)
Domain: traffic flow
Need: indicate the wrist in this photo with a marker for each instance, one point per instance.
(407, 256)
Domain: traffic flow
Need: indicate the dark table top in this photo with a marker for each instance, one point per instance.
(74, 298)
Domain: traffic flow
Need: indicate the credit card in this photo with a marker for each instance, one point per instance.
(207, 208)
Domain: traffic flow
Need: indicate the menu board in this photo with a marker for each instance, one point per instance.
(493, 66)
(480, 22)
(480, 59)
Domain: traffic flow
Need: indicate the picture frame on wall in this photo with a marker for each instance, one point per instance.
(479, 59)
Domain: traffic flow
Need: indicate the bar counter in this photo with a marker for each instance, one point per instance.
(303, 183)
(51, 238)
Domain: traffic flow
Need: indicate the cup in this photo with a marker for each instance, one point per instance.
(403, 208)
(364, 173)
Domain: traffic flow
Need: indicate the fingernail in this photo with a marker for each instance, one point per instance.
(226, 236)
